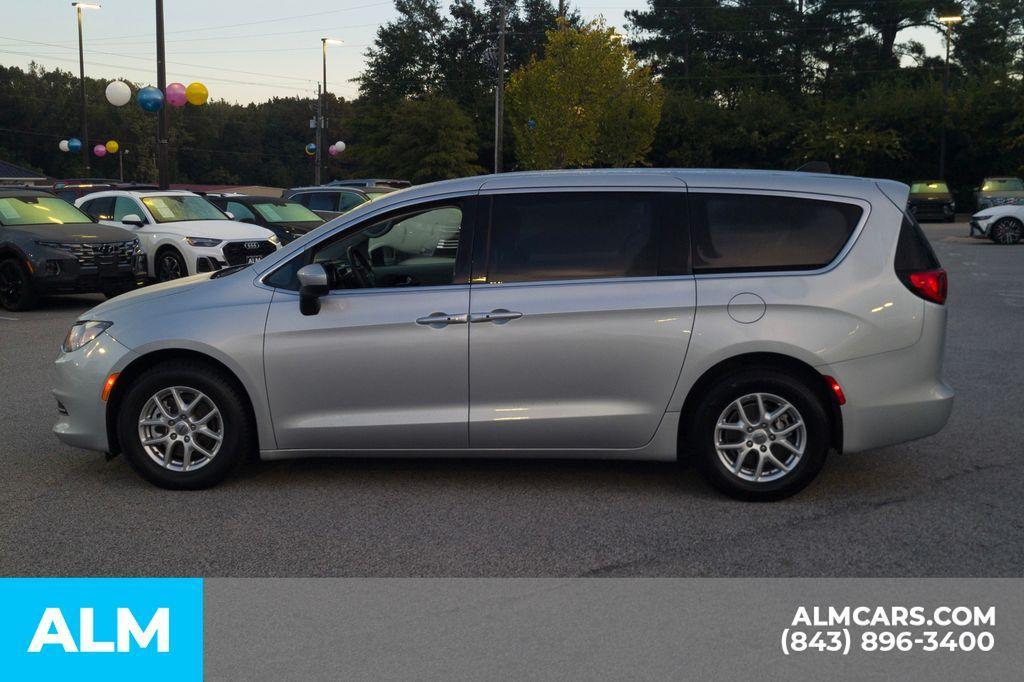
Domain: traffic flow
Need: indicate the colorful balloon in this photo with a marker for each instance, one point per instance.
(150, 99)
(340, 146)
(176, 96)
(112, 146)
(332, 150)
(74, 145)
(197, 94)
(99, 150)
(63, 145)
(310, 149)
(118, 93)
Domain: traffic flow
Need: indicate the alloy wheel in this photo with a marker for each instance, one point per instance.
(1008, 231)
(760, 437)
(181, 428)
(170, 267)
(12, 283)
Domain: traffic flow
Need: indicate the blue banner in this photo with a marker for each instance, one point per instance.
(101, 628)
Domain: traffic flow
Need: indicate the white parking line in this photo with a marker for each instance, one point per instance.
(9, 319)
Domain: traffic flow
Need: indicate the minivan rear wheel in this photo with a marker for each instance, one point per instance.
(184, 425)
(760, 435)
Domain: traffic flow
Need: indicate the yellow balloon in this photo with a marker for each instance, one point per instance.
(197, 94)
(112, 146)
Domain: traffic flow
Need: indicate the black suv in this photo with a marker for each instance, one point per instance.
(289, 220)
(47, 246)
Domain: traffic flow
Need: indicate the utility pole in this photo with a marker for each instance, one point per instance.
(499, 92)
(161, 82)
(81, 71)
(319, 132)
(948, 20)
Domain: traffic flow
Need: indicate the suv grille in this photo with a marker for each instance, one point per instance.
(93, 255)
(240, 253)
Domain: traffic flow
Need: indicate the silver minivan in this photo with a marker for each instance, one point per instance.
(748, 321)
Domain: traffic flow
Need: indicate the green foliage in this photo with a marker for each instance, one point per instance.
(589, 101)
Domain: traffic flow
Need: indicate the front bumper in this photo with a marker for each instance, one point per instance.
(932, 210)
(68, 276)
(80, 377)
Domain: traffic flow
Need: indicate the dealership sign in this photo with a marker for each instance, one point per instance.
(108, 627)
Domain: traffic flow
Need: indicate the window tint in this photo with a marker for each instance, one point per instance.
(322, 201)
(913, 252)
(408, 250)
(123, 206)
(240, 211)
(349, 200)
(100, 209)
(582, 235)
(751, 232)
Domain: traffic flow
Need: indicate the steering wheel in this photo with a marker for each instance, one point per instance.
(361, 268)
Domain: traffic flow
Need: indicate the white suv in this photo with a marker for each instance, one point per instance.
(182, 233)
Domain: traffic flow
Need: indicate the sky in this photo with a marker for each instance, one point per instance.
(243, 50)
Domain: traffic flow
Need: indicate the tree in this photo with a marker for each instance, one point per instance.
(587, 102)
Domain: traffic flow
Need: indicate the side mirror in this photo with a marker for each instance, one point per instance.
(133, 220)
(313, 285)
(229, 214)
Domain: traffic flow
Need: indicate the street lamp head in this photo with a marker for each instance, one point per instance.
(951, 19)
(332, 41)
(86, 5)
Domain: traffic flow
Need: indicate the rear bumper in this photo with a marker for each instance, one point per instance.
(82, 421)
(898, 396)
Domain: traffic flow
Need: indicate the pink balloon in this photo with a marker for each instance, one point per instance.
(332, 150)
(175, 93)
(99, 150)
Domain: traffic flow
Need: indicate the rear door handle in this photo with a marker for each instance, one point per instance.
(498, 316)
(438, 320)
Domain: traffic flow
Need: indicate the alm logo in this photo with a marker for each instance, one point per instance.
(53, 631)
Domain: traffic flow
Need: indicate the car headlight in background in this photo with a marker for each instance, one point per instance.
(203, 241)
(82, 333)
(980, 216)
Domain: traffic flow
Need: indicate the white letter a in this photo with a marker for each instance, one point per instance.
(52, 617)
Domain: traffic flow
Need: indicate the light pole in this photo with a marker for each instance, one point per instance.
(322, 109)
(79, 6)
(948, 20)
(499, 91)
(163, 173)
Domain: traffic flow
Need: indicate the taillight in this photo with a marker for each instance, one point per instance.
(931, 285)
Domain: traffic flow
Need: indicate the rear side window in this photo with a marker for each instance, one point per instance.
(321, 201)
(100, 209)
(584, 235)
(349, 200)
(756, 233)
(913, 252)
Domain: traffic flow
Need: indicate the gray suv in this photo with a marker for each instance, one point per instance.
(748, 321)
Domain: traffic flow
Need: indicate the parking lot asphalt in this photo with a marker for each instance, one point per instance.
(950, 505)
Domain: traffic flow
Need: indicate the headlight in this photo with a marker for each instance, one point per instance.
(82, 333)
(203, 241)
(981, 217)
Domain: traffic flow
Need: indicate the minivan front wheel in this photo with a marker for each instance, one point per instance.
(760, 435)
(184, 426)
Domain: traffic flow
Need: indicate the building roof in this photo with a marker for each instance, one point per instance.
(8, 171)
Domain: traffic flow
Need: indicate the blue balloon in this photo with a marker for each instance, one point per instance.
(531, 124)
(74, 145)
(150, 99)
(311, 148)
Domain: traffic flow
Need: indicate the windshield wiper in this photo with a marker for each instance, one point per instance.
(231, 269)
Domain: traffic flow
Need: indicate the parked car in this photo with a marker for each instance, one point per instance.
(182, 233)
(557, 327)
(327, 202)
(287, 219)
(931, 200)
(47, 246)
(999, 191)
(73, 189)
(1002, 224)
(374, 187)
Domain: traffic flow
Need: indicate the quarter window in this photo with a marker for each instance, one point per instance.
(751, 232)
(584, 235)
(100, 208)
(123, 206)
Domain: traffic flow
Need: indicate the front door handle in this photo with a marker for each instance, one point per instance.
(438, 320)
(498, 316)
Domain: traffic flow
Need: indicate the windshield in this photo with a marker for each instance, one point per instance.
(1002, 185)
(182, 207)
(928, 187)
(34, 210)
(286, 212)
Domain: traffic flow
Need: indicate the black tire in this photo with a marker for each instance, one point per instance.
(701, 434)
(170, 264)
(16, 290)
(238, 430)
(1007, 231)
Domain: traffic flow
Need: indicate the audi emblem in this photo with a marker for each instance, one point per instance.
(251, 246)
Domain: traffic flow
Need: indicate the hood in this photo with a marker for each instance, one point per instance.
(145, 295)
(931, 196)
(299, 227)
(214, 229)
(1003, 209)
(92, 233)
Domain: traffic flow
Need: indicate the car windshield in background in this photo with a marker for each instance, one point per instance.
(928, 187)
(284, 212)
(1003, 185)
(32, 210)
(177, 208)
